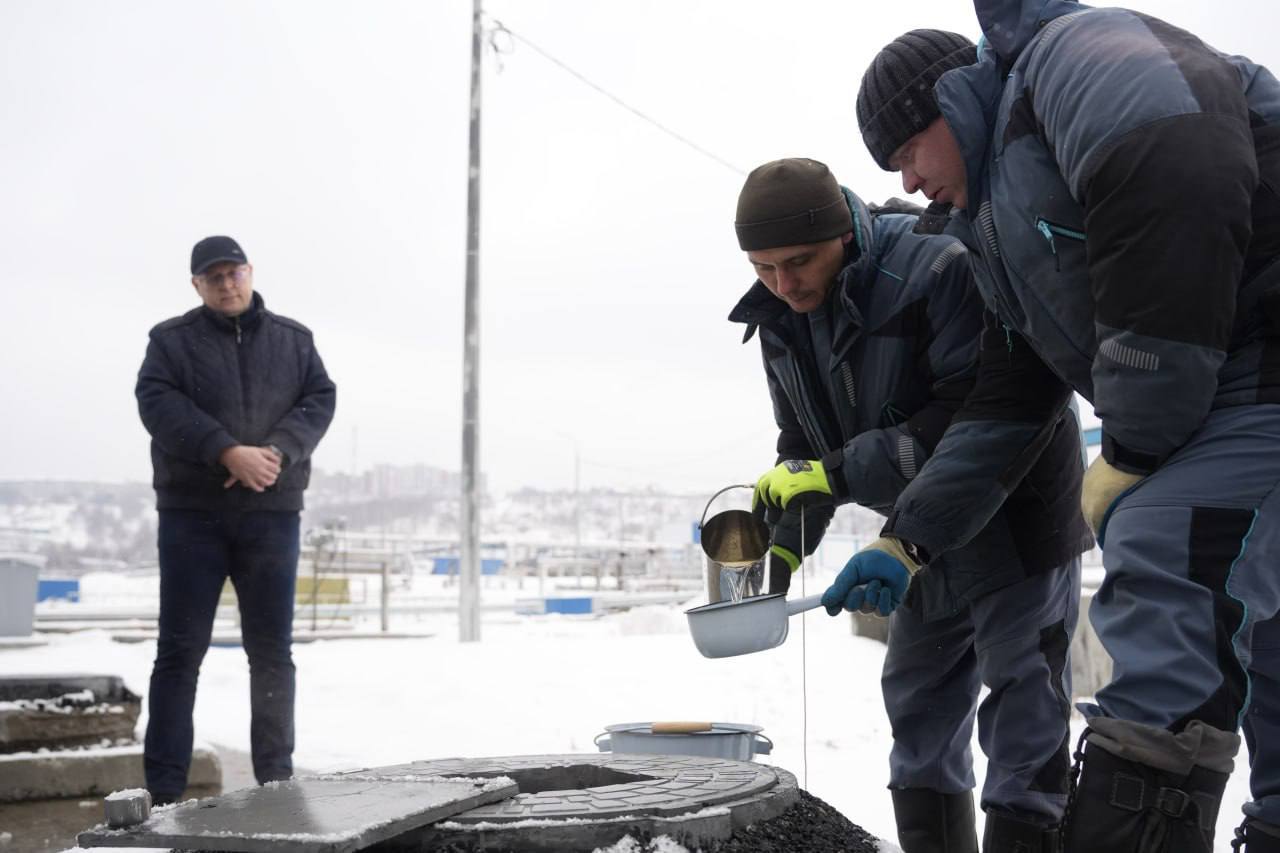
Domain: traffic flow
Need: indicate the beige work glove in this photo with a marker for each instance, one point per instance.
(1103, 484)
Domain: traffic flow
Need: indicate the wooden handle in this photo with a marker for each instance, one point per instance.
(679, 727)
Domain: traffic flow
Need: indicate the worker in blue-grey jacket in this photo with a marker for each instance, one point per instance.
(869, 335)
(1117, 182)
(235, 398)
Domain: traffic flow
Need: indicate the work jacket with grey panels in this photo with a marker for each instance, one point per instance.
(870, 382)
(209, 382)
(1124, 221)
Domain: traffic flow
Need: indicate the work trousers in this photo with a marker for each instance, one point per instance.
(1015, 640)
(1188, 607)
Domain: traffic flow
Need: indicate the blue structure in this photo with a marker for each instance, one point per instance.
(569, 605)
(59, 590)
(449, 566)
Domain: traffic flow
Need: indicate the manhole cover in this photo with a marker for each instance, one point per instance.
(581, 802)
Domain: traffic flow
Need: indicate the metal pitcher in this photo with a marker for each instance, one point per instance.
(736, 543)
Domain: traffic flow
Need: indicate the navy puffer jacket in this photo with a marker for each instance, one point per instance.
(209, 382)
(870, 383)
(1123, 217)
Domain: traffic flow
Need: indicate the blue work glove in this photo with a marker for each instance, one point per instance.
(875, 579)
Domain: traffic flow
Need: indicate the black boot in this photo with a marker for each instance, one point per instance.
(1122, 806)
(1007, 833)
(932, 822)
(1254, 836)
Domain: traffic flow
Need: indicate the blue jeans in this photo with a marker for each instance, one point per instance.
(199, 550)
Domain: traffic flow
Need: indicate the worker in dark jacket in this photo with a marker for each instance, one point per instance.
(1117, 183)
(235, 399)
(869, 335)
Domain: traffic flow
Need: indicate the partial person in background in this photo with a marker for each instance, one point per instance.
(869, 334)
(1118, 186)
(236, 399)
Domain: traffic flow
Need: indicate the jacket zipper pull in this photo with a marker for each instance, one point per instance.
(1008, 341)
(237, 330)
(1044, 229)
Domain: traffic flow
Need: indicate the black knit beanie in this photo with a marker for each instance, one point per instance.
(790, 202)
(896, 100)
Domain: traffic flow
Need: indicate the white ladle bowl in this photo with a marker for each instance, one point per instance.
(728, 628)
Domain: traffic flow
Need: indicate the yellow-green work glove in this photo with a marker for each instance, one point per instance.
(782, 564)
(785, 554)
(1103, 485)
(803, 481)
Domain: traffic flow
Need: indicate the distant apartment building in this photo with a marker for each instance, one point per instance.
(389, 481)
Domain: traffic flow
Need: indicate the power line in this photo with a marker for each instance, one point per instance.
(501, 29)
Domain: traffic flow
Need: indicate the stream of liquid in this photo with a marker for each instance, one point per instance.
(741, 564)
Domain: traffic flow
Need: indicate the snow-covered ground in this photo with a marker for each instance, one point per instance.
(550, 684)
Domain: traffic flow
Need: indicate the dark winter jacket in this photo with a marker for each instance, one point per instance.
(869, 384)
(209, 383)
(1124, 219)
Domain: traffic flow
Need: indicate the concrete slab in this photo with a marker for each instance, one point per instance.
(15, 643)
(27, 726)
(51, 826)
(319, 814)
(103, 687)
(57, 711)
(90, 772)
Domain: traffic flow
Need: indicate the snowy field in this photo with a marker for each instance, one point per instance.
(550, 684)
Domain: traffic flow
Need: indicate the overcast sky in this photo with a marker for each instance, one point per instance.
(331, 139)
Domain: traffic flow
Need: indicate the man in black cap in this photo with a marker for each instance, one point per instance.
(235, 398)
(1117, 182)
(869, 334)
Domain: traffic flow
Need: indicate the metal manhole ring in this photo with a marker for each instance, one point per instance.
(672, 785)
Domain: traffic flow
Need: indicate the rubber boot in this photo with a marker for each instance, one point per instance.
(1008, 833)
(1254, 836)
(1122, 806)
(933, 822)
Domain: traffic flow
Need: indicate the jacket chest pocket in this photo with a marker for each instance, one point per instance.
(1046, 258)
(1062, 241)
(1052, 260)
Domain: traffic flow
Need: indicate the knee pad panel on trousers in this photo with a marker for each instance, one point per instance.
(1215, 543)
(1054, 775)
(1006, 833)
(1055, 643)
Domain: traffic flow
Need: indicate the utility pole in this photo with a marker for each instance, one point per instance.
(577, 510)
(469, 554)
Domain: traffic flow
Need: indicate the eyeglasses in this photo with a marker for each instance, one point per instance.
(239, 275)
